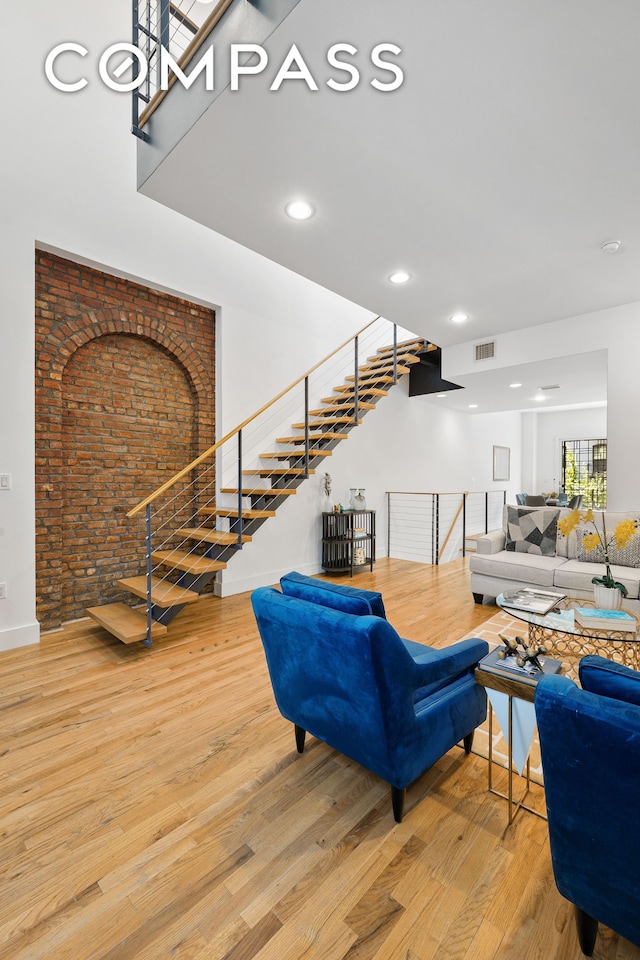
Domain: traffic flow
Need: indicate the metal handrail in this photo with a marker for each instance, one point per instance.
(208, 453)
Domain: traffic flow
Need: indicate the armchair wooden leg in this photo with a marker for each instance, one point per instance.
(587, 931)
(478, 598)
(397, 802)
(468, 742)
(300, 735)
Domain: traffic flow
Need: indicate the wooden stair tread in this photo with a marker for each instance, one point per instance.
(320, 423)
(163, 592)
(313, 438)
(418, 344)
(125, 623)
(362, 389)
(208, 535)
(187, 562)
(277, 472)
(380, 378)
(386, 363)
(259, 492)
(246, 514)
(380, 374)
(295, 454)
(340, 407)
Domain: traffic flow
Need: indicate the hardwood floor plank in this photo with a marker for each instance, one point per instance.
(153, 805)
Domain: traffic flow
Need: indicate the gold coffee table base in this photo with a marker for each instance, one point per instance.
(615, 645)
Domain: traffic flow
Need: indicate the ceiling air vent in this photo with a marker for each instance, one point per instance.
(485, 351)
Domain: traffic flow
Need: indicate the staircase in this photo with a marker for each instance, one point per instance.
(185, 546)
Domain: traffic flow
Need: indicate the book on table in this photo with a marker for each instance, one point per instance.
(508, 667)
(595, 618)
(533, 600)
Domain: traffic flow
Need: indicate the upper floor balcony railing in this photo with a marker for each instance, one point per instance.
(178, 26)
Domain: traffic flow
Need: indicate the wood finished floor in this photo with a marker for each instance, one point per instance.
(152, 805)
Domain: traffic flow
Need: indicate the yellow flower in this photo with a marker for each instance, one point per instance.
(591, 541)
(568, 524)
(625, 530)
(589, 517)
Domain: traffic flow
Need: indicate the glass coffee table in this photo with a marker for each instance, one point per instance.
(569, 641)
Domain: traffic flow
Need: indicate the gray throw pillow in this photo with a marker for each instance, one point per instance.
(628, 556)
(532, 531)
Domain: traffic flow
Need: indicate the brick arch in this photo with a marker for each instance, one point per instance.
(122, 433)
(63, 342)
(84, 320)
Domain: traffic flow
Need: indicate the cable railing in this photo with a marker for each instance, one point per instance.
(178, 26)
(198, 519)
(437, 527)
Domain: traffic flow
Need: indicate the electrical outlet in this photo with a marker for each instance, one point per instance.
(3, 591)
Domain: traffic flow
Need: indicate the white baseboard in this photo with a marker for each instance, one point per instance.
(16, 637)
(229, 588)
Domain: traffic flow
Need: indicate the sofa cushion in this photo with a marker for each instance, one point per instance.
(525, 567)
(628, 556)
(361, 603)
(575, 575)
(532, 531)
(570, 543)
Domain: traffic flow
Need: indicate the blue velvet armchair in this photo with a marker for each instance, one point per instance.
(340, 672)
(590, 745)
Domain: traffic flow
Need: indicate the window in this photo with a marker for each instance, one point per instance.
(584, 471)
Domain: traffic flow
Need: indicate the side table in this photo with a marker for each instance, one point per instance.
(516, 689)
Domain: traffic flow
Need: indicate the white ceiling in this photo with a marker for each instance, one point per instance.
(492, 175)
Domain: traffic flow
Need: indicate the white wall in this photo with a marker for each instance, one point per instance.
(617, 330)
(68, 183)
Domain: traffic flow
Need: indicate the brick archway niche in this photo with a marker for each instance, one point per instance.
(125, 397)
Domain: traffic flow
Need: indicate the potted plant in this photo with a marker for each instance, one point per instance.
(608, 593)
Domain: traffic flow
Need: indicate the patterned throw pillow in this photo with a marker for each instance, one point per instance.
(629, 556)
(532, 531)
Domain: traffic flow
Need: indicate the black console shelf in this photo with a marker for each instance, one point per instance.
(348, 541)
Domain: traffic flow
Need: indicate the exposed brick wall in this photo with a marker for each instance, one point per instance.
(125, 397)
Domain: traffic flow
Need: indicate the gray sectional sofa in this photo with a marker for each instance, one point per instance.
(529, 550)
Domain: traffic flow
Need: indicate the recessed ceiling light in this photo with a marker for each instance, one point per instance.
(299, 210)
(440, 396)
(539, 398)
(400, 276)
(472, 406)
(514, 386)
(459, 317)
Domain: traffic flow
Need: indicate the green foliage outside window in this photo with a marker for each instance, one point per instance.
(584, 471)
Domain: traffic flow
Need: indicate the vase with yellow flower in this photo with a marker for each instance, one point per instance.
(607, 591)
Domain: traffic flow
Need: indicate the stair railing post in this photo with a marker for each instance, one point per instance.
(238, 545)
(355, 381)
(395, 353)
(148, 641)
(464, 522)
(437, 525)
(306, 427)
(388, 523)
(165, 31)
